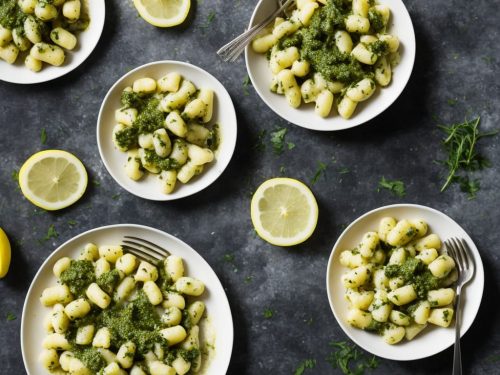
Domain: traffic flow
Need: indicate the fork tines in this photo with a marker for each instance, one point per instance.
(144, 249)
(458, 249)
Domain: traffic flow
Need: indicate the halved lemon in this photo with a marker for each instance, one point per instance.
(284, 211)
(53, 179)
(163, 13)
(4, 253)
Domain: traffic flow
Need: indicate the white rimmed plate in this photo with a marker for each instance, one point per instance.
(217, 305)
(87, 41)
(433, 339)
(148, 187)
(304, 116)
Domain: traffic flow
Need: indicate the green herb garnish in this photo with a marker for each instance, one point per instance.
(229, 258)
(306, 364)
(51, 233)
(278, 140)
(268, 313)
(43, 136)
(460, 146)
(319, 172)
(15, 176)
(395, 186)
(246, 82)
(347, 356)
(259, 144)
(11, 317)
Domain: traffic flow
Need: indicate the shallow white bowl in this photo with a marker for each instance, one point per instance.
(433, 339)
(148, 187)
(87, 41)
(304, 116)
(217, 305)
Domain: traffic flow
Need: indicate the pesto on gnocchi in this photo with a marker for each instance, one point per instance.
(165, 127)
(112, 313)
(334, 53)
(40, 31)
(399, 281)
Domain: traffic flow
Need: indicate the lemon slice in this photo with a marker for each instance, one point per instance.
(4, 253)
(53, 179)
(284, 211)
(163, 13)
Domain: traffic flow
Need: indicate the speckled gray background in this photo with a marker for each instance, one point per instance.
(455, 75)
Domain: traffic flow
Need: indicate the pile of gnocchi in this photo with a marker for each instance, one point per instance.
(113, 314)
(399, 280)
(361, 41)
(164, 126)
(43, 29)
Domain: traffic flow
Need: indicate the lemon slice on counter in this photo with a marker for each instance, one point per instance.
(163, 13)
(284, 211)
(4, 253)
(53, 179)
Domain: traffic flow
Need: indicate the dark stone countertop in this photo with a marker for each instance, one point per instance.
(455, 75)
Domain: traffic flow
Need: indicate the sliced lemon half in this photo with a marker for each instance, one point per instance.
(163, 13)
(4, 253)
(284, 211)
(53, 179)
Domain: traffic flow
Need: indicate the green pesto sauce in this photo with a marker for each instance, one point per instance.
(78, 276)
(376, 20)
(90, 357)
(165, 164)
(414, 272)
(108, 280)
(127, 138)
(11, 16)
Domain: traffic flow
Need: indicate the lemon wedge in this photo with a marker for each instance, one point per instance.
(53, 179)
(4, 253)
(163, 13)
(284, 211)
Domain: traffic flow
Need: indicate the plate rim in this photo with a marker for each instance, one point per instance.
(478, 263)
(167, 197)
(351, 122)
(225, 301)
(85, 55)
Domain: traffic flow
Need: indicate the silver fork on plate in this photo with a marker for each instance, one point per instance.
(459, 250)
(144, 249)
(235, 47)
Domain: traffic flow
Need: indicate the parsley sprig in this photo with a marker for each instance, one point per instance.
(395, 186)
(306, 364)
(462, 157)
(349, 359)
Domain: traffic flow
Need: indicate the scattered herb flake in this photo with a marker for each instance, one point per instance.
(96, 183)
(320, 170)
(209, 20)
(246, 82)
(291, 145)
(115, 196)
(344, 170)
(248, 279)
(278, 140)
(259, 144)
(347, 356)
(43, 136)
(282, 169)
(451, 102)
(462, 156)
(51, 233)
(396, 187)
(229, 258)
(306, 364)
(268, 313)
(72, 223)
(308, 321)
(15, 175)
(11, 316)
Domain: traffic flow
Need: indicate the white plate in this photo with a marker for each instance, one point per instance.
(87, 41)
(304, 116)
(433, 339)
(217, 306)
(148, 187)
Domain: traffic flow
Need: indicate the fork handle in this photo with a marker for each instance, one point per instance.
(457, 355)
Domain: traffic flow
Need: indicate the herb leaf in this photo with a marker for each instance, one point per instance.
(346, 356)
(11, 316)
(278, 140)
(308, 363)
(246, 82)
(259, 143)
(268, 313)
(396, 187)
(319, 172)
(51, 233)
(43, 136)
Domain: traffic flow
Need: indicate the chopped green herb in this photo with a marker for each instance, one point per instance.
(115, 196)
(451, 102)
(229, 258)
(43, 136)
(268, 313)
(72, 223)
(347, 356)
(460, 146)
(209, 20)
(396, 187)
(278, 140)
(282, 169)
(96, 183)
(306, 364)
(246, 82)
(344, 170)
(51, 233)
(319, 172)
(248, 279)
(259, 144)
(308, 321)
(15, 176)
(291, 145)
(11, 316)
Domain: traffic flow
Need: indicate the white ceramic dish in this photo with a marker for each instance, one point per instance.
(217, 305)
(87, 41)
(304, 116)
(148, 187)
(433, 339)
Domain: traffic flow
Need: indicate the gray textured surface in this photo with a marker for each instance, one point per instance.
(457, 58)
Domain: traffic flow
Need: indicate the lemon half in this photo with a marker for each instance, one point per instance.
(284, 211)
(163, 13)
(53, 179)
(4, 253)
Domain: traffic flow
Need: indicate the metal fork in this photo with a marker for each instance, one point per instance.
(234, 48)
(460, 252)
(144, 249)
